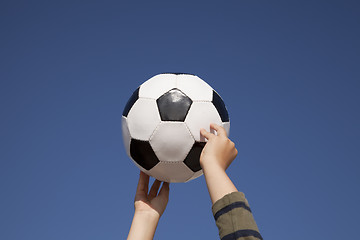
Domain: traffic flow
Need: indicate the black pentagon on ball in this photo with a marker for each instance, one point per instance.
(131, 101)
(173, 105)
(220, 107)
(193, 157)
(143, 154)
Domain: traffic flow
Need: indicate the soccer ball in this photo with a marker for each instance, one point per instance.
(161, 125)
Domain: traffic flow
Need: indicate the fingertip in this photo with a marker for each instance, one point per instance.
(203, 132)
(143, 182)
(143, 175)
(165, 189)
(220, 130)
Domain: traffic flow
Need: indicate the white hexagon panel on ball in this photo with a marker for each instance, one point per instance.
(125, 134)
(157, 86)
(171, 172)
(195, 175)
(226, 126)
(143, 119)
(194, 87)
(171, 141)
(201, 115)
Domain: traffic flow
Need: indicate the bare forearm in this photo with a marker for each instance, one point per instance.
(143, 226)
(218, 183)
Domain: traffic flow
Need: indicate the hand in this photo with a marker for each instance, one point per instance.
(152, 202)
(149, 206)
(215, 158)
(219, 151)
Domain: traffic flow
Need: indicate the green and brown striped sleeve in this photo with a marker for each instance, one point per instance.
(234, 219)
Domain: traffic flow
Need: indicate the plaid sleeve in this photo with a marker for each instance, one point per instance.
(234, 219)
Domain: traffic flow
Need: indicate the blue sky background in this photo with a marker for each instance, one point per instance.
(288, 71)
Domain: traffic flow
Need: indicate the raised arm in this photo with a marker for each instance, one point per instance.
(216, 157)
(230, 208)
(149, 206)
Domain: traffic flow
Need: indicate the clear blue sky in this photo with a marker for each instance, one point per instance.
(289, 72)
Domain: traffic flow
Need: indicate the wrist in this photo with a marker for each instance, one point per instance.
(212, 166)
(148, 215)
(143, 225)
